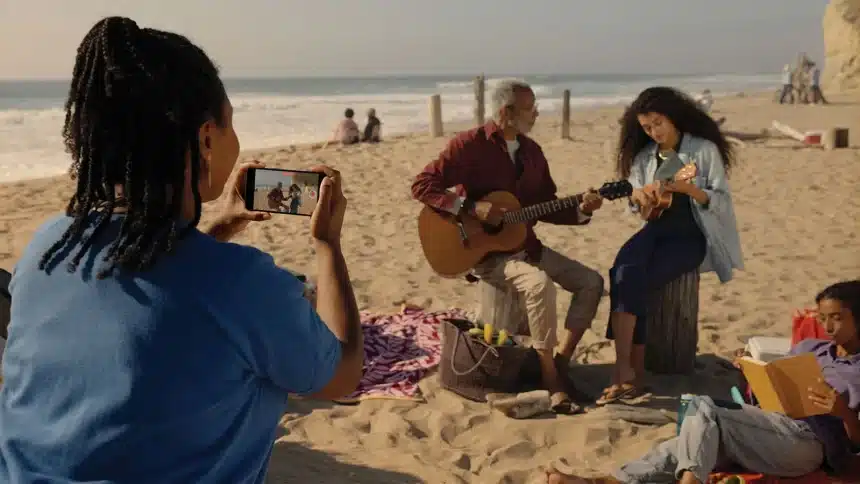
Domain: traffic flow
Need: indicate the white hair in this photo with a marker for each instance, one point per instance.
(504, 95)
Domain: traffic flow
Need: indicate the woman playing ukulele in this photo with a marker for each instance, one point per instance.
(665, 128)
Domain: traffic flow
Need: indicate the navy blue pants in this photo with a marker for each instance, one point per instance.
(650, 259)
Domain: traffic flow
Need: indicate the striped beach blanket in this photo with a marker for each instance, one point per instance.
(399, 350)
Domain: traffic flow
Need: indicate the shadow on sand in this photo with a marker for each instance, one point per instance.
(292, 463)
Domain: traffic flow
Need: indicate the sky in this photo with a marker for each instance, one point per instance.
(274, 38)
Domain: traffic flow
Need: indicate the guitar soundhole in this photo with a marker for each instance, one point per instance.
(493, 229)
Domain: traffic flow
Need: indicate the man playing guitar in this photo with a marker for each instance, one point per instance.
(500, 156)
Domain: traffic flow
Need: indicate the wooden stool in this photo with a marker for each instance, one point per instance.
(502, 307)
(673, 331)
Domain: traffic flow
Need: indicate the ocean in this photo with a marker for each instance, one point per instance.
(278, 112)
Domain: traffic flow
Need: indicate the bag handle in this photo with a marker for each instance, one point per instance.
(490, 349)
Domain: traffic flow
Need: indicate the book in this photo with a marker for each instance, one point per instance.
(782, 385)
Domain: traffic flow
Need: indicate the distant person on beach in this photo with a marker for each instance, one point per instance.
(815, 94)
(501, 156)
(697, 232)
(276, 198)
(787, 94)
(347, 131)
(373, 128)
(715, 432)
(142, 348)
(705, 100)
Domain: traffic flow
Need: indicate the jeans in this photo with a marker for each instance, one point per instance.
(787, 92)
(713, 435)
(649, 260)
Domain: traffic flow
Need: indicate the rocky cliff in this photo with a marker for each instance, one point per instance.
(842, 44)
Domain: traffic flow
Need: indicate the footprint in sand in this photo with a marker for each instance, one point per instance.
(523, 449)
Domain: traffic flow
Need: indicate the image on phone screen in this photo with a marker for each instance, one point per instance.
(290, 192)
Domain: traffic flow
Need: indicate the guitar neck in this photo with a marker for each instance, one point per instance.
(534, 212)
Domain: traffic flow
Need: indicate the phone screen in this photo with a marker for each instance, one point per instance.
(291, 192)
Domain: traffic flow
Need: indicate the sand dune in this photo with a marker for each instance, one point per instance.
(799, 216)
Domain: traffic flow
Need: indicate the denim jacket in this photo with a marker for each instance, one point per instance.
(717, 218)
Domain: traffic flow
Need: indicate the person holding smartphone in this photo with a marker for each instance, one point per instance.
(143, 347)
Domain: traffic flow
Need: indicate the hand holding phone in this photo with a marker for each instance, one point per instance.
(232, 216)
(327, 219)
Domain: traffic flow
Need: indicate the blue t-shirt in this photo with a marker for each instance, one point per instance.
(178, 374)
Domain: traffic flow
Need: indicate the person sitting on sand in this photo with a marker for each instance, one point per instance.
(501, 156)
(705, 100)
(276, 198)
(347, 131)
(697, 231)
(373, 128)
(143, 348)
(716, 433)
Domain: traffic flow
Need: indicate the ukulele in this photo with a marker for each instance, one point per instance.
(455, 244)
(664, 197)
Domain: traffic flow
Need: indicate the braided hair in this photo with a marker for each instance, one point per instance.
(137, 100)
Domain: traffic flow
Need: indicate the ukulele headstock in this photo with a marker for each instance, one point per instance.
(687, 173)
(615, 190)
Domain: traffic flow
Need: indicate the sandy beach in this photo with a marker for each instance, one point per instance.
(798, 212)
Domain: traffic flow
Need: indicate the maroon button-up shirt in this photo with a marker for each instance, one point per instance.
(477, 162)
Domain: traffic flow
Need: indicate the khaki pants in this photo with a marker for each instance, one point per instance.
(534, 283)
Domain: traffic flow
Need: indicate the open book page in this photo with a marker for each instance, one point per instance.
(756, 373)
(792, 377)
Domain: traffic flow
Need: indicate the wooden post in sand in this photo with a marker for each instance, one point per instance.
(565, 115)
(673, 329)
(835, 138)
(436, 116)
(480, 88)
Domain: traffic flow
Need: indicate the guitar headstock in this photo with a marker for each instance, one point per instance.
(615, 190)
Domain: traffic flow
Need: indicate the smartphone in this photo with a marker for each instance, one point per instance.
(291, 192)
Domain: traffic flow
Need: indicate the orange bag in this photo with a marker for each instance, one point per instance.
(805, 325)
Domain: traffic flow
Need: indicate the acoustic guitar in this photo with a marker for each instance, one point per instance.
(664, 197)
(453, 245)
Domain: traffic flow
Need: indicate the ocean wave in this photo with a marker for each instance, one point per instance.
(32, 144)
(490, 84)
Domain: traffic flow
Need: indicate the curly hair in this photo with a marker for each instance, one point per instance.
(847, 293)
(137, 100)
(681, 110)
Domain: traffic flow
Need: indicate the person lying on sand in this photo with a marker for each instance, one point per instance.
(661, 131)
(501, 156)
(725, 433)
(143, 348)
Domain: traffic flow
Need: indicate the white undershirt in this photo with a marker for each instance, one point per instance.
(513, 146)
